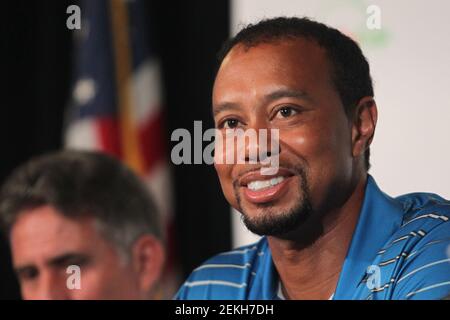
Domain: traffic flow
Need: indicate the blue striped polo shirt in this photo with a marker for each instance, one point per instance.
(399, 250)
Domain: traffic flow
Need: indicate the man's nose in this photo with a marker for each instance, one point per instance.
(259, 142)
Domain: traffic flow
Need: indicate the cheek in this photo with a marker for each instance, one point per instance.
(95, 283)
(104, 282)
(304, 143)
(324, 148)
(28, 291)
(226, 181)
(105, 277)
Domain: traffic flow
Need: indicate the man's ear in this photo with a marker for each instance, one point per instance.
(148, 262)
(363, 125)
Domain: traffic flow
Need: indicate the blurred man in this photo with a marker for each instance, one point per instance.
(328, 230)
(81, 226)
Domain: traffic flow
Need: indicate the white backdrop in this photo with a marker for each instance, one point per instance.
(410, 63)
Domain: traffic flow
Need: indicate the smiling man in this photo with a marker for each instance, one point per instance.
(327, 229)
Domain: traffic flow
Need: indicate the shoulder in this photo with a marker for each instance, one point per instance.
(417, 255)
(426, 217)
(224, 276)
(420, 202)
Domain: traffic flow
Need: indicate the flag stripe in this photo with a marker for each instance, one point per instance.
(120, 27)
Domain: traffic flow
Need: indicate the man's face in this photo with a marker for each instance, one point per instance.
(44, 243)
(287, 86)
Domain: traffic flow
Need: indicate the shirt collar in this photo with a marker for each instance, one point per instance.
(281, 296)
(380, 216)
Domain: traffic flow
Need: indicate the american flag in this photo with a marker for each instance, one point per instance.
(116, 104)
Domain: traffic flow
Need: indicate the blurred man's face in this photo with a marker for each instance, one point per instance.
(44, 243)
(287, 86)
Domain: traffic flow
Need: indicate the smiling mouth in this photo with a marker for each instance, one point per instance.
(259, 189)
(264, 184)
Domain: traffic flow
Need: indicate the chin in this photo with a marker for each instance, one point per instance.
(269, 223)
(277, 219)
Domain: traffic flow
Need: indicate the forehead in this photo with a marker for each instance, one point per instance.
(43, 233)
(293, 63)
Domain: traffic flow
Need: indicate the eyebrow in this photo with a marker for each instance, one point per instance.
(21, 269)
(275, 95)
(64, 259)
(224, 107)
(60, 260)
(286, 93)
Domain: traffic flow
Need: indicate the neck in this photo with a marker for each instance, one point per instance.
(312, 272)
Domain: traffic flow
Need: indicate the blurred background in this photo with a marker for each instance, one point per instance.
(137, 70)
(68, 88)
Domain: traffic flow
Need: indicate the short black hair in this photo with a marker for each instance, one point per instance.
(350, 69)
(82, 184)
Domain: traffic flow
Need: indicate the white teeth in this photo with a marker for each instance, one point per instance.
(261, 184)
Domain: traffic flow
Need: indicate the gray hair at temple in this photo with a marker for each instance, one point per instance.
(83, 184)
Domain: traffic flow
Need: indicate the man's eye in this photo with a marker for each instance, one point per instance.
(28, 274)
(286, 112)
(230, 124)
